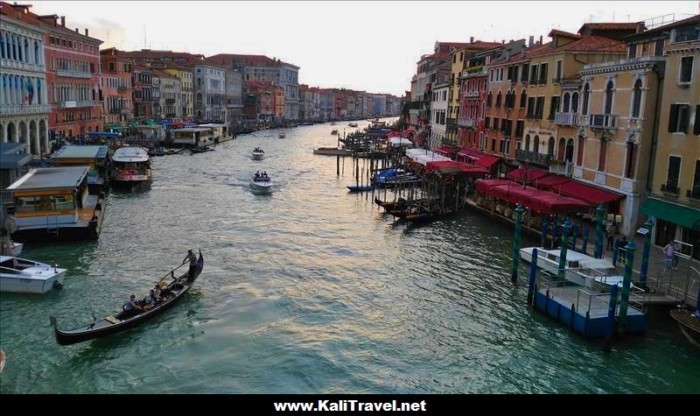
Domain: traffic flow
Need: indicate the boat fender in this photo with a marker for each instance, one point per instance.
(57, 285)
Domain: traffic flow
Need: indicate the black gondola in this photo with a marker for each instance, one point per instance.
(120, 321)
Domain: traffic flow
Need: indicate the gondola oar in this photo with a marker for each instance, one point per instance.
(170, 273)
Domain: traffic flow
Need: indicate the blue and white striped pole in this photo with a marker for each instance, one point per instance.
(644, 271)
(599, 232)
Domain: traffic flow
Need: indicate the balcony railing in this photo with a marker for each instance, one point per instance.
(76, 104)
(471, 94)
(670, 188)
(602, 120)
(466, 122)
(24, 109)
(693, 193)
(115, 110)
(73, 74)
(565, 119)
(533, 157)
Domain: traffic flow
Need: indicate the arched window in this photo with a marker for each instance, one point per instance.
(569, 151)
(2, 45)
(637, 98)
(499, 98)
(567, 99)
(550, 147)
(609, 93)
(561, 148)
(489, 99)
(26, 50)
(523, 99)
(37, 60)
(631, 159)
(586, 97)
(537, 144)
(19, 49)
(602, 156)
(581, 148)
(39, 96)
(527, 142)
(574, 102)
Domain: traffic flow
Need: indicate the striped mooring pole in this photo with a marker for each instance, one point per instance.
(566, 230)
(517, 242)
(644, 271)
(626, 283)
(599, 232)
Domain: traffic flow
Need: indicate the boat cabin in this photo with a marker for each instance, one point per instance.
(95, 157)
(192, 137)
(49, 200)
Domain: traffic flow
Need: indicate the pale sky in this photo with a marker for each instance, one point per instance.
(362, 45)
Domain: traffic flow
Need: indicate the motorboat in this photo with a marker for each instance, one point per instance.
(282, 135)
(169, 294)
(261, 183)
(581, 269)
(18, 275)
(352, 124)
(258, 154)
(689, 323)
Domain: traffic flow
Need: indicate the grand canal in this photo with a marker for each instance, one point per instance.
(308, 290)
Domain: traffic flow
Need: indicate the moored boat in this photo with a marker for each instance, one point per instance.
(360, 188)
(18, 275)
(120, 321)
(332, 151)
(689, 323)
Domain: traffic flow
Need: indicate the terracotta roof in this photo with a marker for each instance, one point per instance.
(35, 20)
(674, 25)
(594, 43)
(609, 26)
(557, 32)
(254, 60)
(162, 74)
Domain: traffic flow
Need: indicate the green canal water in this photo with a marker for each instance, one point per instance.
(309, 290)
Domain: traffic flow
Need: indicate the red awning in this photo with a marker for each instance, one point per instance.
(484, 184)
(479, 158)
(546, 182)
(445, 150)
(465, 168)
(393, 133)
(588, 193)
(550, 203)
(529, 174)
(466, 152)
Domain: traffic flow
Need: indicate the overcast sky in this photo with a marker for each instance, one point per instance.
(366, 45)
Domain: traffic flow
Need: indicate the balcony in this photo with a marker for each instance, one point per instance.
(169, 101)
(76, 104)
(670, 189)
(122, 88)
(466, 122)
(73, 74)
(527, 156)
(603, 121)
(566, 119)
(471, 94)
(11, 110)
(117, 110)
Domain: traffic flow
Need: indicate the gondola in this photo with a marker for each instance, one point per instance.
(118, 322)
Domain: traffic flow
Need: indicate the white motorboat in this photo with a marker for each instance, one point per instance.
(262, 183)
(11, 248)
(282, 135)
(258, 154)
(28, 276)
(581, 269)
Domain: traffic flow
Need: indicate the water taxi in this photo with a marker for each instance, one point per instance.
(131, 166)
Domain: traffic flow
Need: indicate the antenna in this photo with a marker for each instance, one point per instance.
(144, 37)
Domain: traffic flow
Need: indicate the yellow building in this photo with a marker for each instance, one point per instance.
(674, 200)
(187, 85)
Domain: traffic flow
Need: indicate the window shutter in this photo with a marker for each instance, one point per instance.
(685, 119)
(696, 129)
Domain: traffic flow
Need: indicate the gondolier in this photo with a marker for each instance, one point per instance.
(193, 264)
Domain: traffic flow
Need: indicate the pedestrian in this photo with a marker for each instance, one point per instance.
(671, 260)
(193, 264)
(610, 235)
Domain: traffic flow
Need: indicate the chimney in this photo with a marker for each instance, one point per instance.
(540, 39)
(86, 31)
(503, 41)
(532, 39)
(77, 30)
(471, 39)
(63, 21)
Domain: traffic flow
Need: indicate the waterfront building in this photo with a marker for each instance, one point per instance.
(13, 160)
(674, 199)
(438, 109)
(259, 101)
(326, 104)
(262, 68)
(459, 61)
(117, 90)
(186, 78)
(233, 97)
(209, 91)
(24, 109)
(472, 102)
(170, 95)
(72, 63)
(143, 92)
